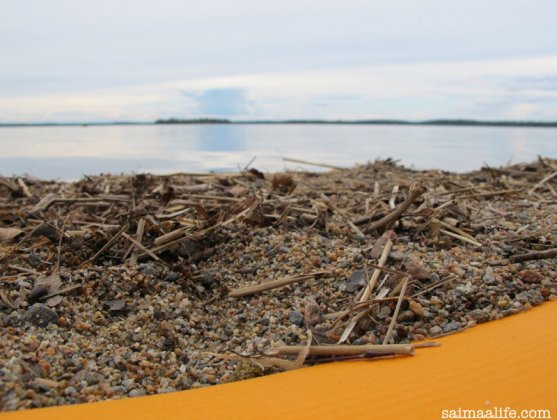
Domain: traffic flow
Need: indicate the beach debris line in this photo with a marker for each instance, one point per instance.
(126, 285)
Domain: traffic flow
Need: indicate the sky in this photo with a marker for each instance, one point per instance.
(124, 60)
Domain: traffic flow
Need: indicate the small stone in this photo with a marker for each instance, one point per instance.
(137, 393)
(416, 308)
(479, 315)
(435, 330)
(172, 277)
(40, 315)
(147, 268)
(69, 390)
(357, 280)
(296, 318)
(312, 313)
(397, 256)
(452, 326)
(83, 326)
(489, 276)
(406, 316)
(208, 279)
(533, 297)
(530, 276)
(417, 271)
(402, 331)
(115, 305)
(39, 291)
(503, 303)
(436, 302)
(545, 292)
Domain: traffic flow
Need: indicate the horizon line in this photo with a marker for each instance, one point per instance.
(213, 121)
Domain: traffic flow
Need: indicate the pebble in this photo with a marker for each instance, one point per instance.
(172, 277)
(530, 276)
(435, 330)
(296, 318)
(436, 302)
(533, 297)
(452, 326)
(503, 303)
(356, 282)
(148, 269)
(70, 390)
(137, 393)
(416, 308)
(489, 276)
(406, 316)
(40, 315)
(312, 313)
(479, 315)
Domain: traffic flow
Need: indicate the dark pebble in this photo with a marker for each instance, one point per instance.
(40, 315)
(452, 326)
(296, 318)
(172, 277)
(357, 280)
(148, 269)
(39, 291)
(406, 316)
(208, 279)
(34, 260)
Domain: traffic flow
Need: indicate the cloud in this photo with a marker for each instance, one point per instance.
(524, 111)
(220, 102)
(481, 89)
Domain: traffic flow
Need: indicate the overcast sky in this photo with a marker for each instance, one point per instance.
(74, 60)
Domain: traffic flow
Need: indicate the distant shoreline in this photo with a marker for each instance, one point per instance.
(211, 121)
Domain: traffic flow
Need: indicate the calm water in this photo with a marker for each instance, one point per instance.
(70, 152)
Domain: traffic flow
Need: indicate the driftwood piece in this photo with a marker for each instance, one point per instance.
(50, 199)
(529, 256)
(250, 290)
(389, 334)
(24, 187)
(305, 162)
(416, 190)
(340, 349)
(491, 194)
(460, 237)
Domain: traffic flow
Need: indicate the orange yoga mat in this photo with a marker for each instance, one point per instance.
(492, 369)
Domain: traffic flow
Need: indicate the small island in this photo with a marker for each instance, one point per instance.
(193, 121)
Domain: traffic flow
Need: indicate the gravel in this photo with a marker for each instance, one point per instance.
(133, 330)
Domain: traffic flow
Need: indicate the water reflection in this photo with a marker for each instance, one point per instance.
(70, 152)
(221, 137)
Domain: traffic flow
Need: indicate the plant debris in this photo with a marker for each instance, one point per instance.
(117, 286)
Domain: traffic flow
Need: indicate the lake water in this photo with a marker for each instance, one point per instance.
(70, 152)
